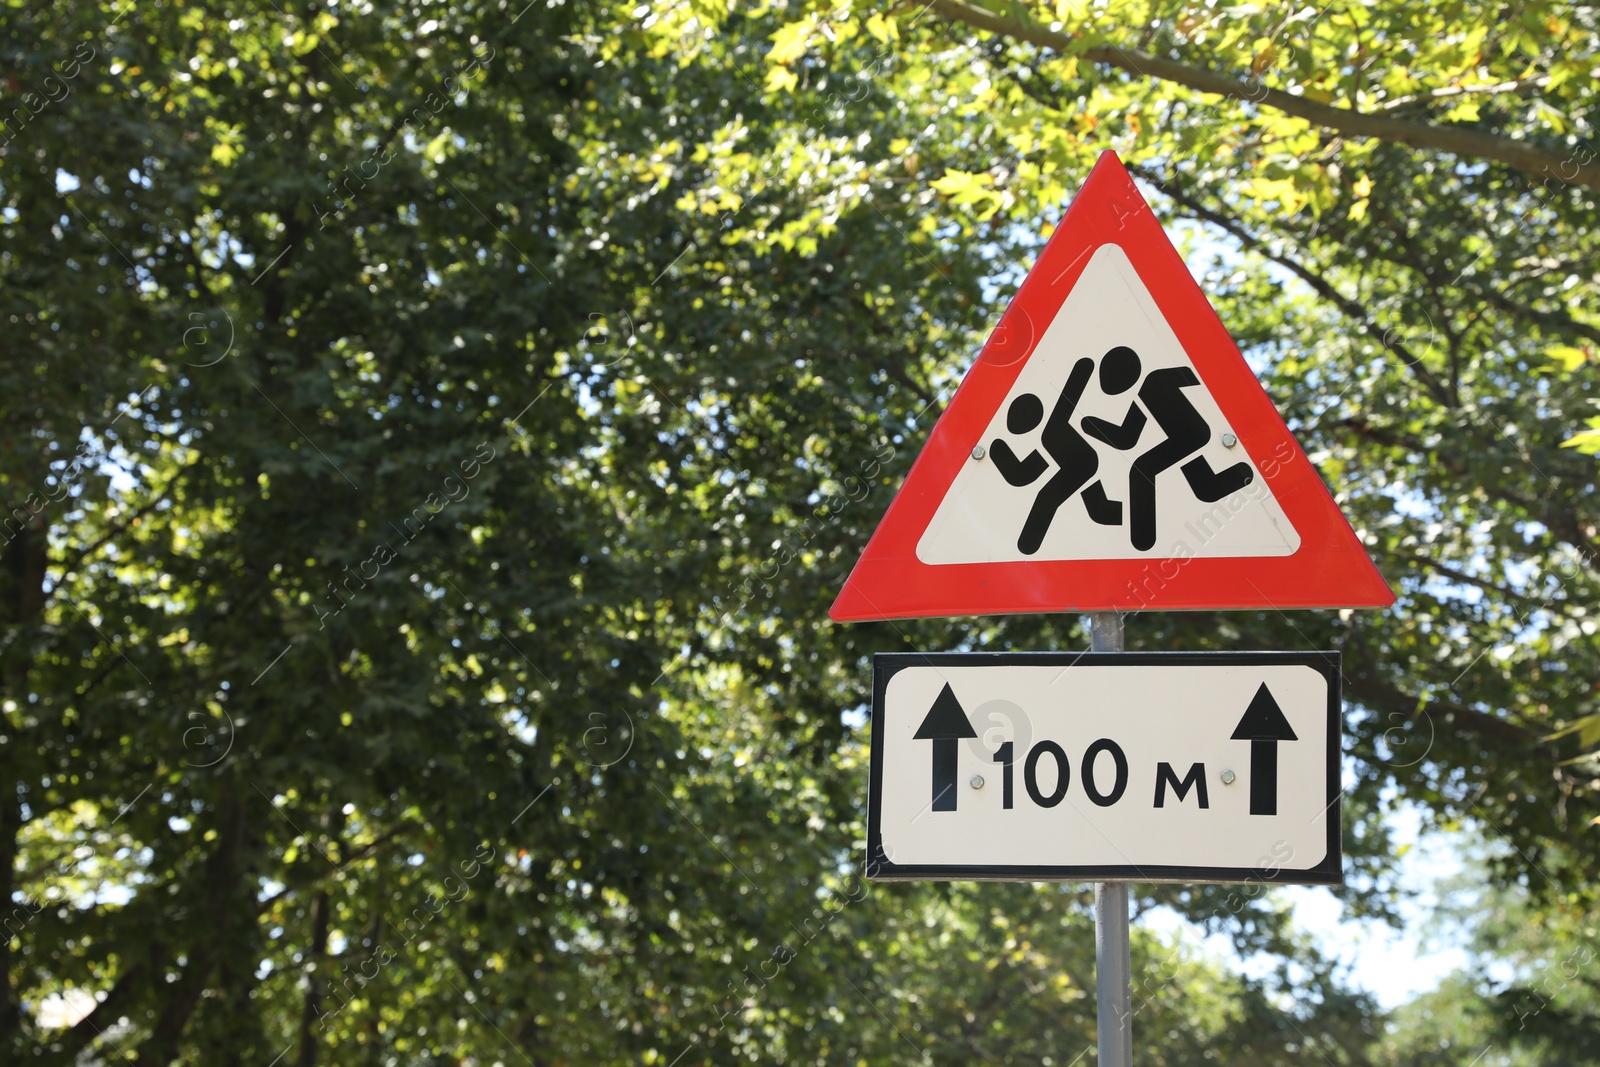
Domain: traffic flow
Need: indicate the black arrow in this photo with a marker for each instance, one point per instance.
(1263, 726)
(945, 725)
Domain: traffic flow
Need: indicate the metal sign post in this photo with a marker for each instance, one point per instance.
(1112, 968)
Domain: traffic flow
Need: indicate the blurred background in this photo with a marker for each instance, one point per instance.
(433, 435)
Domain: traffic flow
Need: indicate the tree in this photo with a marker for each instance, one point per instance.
(446, 428)
(1528, 994)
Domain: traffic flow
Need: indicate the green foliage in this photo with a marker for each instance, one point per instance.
(1530, 994)
(434, 435)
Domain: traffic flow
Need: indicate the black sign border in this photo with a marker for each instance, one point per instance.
(885, 665)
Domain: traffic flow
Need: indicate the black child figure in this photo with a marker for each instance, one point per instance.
(1075, 458)
(1186, 430)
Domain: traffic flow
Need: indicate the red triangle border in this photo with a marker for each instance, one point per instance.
(1331, 569)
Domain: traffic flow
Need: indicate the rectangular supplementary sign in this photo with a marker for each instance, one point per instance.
(1136, 766)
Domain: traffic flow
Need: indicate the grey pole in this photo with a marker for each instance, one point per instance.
(1112, 970)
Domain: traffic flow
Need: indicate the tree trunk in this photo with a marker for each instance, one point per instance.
(319, 952)
(23, 563)
(229, 914)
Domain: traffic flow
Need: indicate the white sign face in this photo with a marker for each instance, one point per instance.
(1108, 388)
(1185, 767)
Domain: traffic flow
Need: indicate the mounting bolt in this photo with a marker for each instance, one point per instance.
(978, 452)
(1228, 777)
(977, 781)
(1229, 441)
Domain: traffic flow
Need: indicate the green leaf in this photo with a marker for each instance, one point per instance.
(789, 42)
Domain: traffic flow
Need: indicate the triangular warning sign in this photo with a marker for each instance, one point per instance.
(1110, 450)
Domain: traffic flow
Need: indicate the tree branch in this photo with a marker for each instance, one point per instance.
(1565, 524)
(1379, 695)
(1553, 321)
(265, 904)
(68, 567)
(1323, 287)
(104, 1015)
(1521, 87)
(320, 907)
(1440, 137)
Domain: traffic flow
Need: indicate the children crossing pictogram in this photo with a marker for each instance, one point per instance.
(1109, 410)
(1077, 460)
